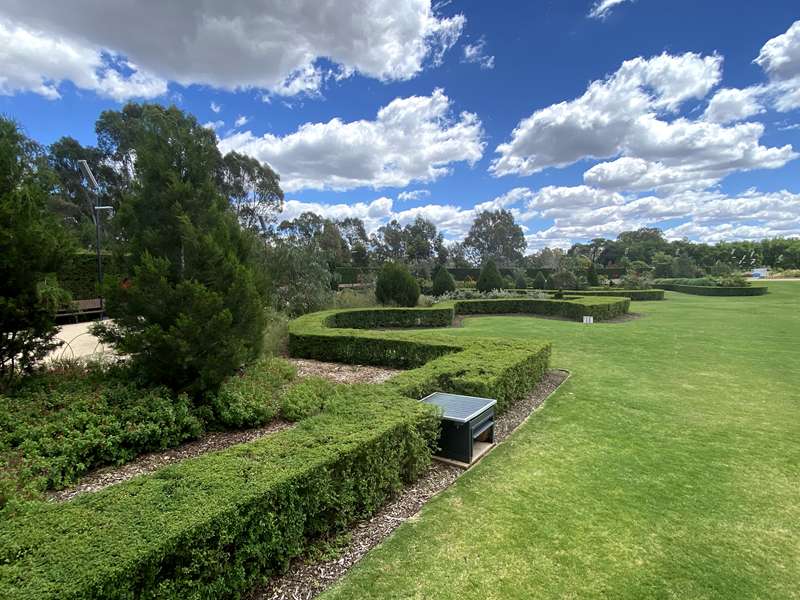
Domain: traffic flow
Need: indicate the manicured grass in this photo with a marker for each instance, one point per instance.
(667, 466)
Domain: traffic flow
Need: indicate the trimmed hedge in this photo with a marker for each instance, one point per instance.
(378, 318)
(496, 368)
(79, 275)
(637, 295)
(714, 291)
(571, 308)
(212, 526)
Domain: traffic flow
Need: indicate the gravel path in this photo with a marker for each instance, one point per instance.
(147, 463)
(306, 580)
(342, 373)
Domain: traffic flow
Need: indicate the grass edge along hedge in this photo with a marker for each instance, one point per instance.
(699, 290)
(215, 525)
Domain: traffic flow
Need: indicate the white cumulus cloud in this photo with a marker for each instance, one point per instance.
(411, 139)
(267, 44)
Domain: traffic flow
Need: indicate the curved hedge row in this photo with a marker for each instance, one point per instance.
(212, 526)
(699, 290)
(636, 295)
(503, 369)
(575, 307)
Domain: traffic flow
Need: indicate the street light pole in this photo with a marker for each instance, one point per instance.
(87, 173)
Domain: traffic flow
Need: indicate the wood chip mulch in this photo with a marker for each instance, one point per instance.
(306, 580)
(147, 463)
(342, 373)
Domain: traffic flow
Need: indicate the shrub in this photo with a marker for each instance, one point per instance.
(56, 426)
(395, 285)
(540, 281)
(572, 308)
(354, 298)
(193, 312)
(638, 295)
(520, 281)
(33, 246)
(252, 397)
(563, 280)
(443, 282)
(635, 281)
(308, 398)
(490, 278)
(214, 525)
(706, 290)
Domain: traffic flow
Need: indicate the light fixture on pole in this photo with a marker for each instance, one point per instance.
(96, 209)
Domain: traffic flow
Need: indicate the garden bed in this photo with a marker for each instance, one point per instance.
(148, 463)
(342, 373)
(308, 578)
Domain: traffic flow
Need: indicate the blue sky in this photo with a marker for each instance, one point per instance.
(583, 117)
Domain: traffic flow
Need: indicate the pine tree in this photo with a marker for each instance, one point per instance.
(192, 310)
(443, 281)
(490, 278)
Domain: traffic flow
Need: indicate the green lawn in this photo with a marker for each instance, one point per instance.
(667, 466)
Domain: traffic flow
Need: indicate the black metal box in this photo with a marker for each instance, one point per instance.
(467, 425)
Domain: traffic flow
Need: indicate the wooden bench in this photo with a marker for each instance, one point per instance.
(81, 309)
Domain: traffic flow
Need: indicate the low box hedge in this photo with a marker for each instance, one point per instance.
(379, 318)
(702, 290)
(636, 295)
(213, 526)
(571, 308)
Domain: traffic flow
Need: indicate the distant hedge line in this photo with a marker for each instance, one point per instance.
(213, 526)
(714, 291)
(637, 295)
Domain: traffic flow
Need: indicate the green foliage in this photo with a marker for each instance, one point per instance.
(636, 280)
(194, 310)
(380, 318)
(495, 235)
(708, 290)
(252, 397)
(395, 285)
(563, 280)
(33, 247)
(309, 397)
(490, 278)
(574, 308)
(276, 333)
(443, 282)
(520, 281)
(355, 298)
(79, 274)
(540, 281)
(491, 368)
(591, 275)
(215, 525)
(637, 295)
(57, 425)
(300, 277)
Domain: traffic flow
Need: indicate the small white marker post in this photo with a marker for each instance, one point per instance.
(588, 320)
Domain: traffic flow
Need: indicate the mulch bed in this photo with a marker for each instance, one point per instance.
(307, 579)
(147, 463)
(342, 373)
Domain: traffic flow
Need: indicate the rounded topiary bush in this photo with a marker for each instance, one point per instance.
(564, 280)
(395, 285)
(490, 278)
(443, 281)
